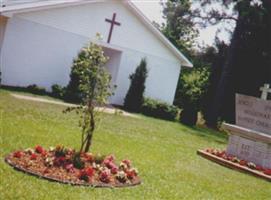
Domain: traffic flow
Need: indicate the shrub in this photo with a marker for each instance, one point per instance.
(58, 91)
(36, 89)
(159, 109)
(134, 98)
(189, 96)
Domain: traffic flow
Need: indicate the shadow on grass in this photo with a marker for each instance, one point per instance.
(209, 134)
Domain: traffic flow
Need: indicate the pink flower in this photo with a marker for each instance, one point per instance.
(114, 170)
(70, 168)
(105, 176)
(109, 162)
(110, 158)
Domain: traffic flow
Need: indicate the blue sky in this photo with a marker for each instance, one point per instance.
(153, 10)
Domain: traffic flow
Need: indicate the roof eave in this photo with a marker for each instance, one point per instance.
(184, 61)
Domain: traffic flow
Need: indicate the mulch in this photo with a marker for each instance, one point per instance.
(59, 174)
(233, 165)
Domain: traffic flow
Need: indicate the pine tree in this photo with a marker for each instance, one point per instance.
(135, 95)
(246, 67)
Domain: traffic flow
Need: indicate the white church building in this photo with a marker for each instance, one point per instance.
(40, 38)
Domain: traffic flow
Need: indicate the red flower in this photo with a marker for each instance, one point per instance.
(86, 173)
(221, 154)
(267, 172)
(39, 149)
(18, 154)
(58, 161)
(62, 159)
(130, 174)
(259, 168)
(46, 171)
(89, 171)
(229, 158)
(88, 157)
(83, 176)
(243, 162)
(44, 153)
(33, 156)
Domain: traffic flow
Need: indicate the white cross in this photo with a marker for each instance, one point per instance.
(265, 91)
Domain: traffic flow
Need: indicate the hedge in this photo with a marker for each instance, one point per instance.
(159, 109)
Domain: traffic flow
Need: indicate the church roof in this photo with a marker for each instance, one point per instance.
(8, 7)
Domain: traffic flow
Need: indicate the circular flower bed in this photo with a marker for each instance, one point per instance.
(67, 166)
(222, 154)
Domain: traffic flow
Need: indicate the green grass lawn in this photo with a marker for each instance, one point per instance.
(164, 152)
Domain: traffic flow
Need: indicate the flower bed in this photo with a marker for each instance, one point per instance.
(221, 157)
(66, 166)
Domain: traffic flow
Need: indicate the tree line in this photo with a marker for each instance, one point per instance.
(223, 69)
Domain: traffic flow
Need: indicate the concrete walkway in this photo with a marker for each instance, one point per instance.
(43, 100)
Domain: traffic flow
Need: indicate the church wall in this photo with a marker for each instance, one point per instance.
(3, 22)
(35, 53)
(87, 20)
(161, 82)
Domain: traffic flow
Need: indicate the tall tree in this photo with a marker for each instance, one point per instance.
(217, 61)
(179, 27)
(248, 61)
(181, 30)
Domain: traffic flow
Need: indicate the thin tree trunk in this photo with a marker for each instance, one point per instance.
(92, 125)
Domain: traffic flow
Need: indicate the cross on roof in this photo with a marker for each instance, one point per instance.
(265, 91)
(112, 22)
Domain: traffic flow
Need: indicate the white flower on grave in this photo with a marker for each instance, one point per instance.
(29, 151)
(251, 165)
(121, 176)
(235, 159)
(51, 149)
(49, 162)
(135, 170)
(123, 166)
